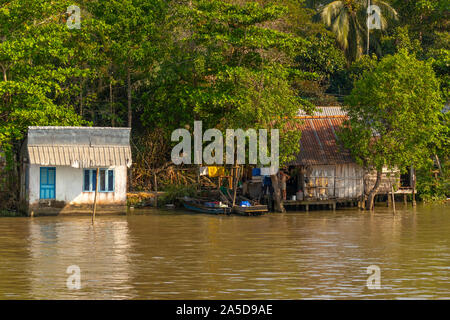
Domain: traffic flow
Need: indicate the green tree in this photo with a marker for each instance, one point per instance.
(37, 86)
(132, 41)
(394, 116)
(348, 21)
(424, 17)
(424, 31)
(232, 70)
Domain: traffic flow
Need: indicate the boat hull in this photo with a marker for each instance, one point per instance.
(204, 209)
(250, 211)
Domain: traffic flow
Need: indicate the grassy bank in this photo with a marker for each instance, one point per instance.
(9, 213)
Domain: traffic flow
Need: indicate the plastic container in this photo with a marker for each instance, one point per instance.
(245, 204)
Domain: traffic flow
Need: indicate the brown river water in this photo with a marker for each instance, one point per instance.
(167, 255)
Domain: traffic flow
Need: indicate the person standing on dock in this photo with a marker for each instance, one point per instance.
(267, 186)
(283, 176)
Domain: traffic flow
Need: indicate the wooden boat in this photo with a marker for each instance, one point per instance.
(198, 205)
(251, 211)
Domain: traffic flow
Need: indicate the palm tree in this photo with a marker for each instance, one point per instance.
(348, 20)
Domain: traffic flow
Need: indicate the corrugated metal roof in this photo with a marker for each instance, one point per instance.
(334, 111)
(92, 136)
(318, 144)
(80, 156)
(79, 147)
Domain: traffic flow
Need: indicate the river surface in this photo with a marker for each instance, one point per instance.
(167, 255)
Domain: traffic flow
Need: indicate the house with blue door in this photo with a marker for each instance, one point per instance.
(64, 167)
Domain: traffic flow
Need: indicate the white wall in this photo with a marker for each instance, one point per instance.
(69, 186)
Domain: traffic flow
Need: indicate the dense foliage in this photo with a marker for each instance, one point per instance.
(395, 115)
(157, 65)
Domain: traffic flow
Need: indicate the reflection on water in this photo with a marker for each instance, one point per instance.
(163, 255)
(101, 252)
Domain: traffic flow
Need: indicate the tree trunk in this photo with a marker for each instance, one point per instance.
(81, 96)
(130, 115)
(235, 183)
(15, 179)
(277, 194)
(129, 97)
(438, 162)
(111, 103)
(373, 192)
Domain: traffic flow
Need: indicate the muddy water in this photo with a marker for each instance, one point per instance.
(164, 255)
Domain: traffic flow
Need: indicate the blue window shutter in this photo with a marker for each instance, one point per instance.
(94, 179)
(47, 183)
(102, 180)
(86, 180)
(110, 180)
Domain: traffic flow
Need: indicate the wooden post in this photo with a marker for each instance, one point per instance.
(235, 177)
(405, 199)
(438, 164)
(414, 186)
(334, 183)
(368, 30)
(198, 179)
(95, 196)
(393, 197)
(156, 191)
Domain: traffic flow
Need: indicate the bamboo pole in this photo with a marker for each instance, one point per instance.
(199, 187)
(235, 176)
(156, 191)
(438, 162)
(95, 196)
(368, 30)
(414, 187)
(393, 197)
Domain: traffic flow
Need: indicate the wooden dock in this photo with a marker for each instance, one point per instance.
(331, 203)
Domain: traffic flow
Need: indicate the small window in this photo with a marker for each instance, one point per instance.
(103, 180)
(110, 180)
(87, 180)
(93, 179)
(106, 180)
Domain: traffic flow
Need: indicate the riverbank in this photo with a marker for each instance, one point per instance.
(10, 213)
(297, 255)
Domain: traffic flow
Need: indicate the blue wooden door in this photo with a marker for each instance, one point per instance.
(47, 183)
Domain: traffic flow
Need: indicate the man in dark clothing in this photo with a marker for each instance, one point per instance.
(267, 185)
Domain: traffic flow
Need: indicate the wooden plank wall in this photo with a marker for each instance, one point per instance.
(349, 181)
(388, 177)
(343, 181)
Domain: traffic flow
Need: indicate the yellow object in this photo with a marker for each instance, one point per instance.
(216, 171)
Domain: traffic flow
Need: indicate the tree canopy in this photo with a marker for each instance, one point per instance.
(395, 114)
(158, 65)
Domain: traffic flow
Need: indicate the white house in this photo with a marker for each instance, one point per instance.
(59, 170)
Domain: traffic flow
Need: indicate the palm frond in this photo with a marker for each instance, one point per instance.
(330, 11)
(386, 9)
(340, 27)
